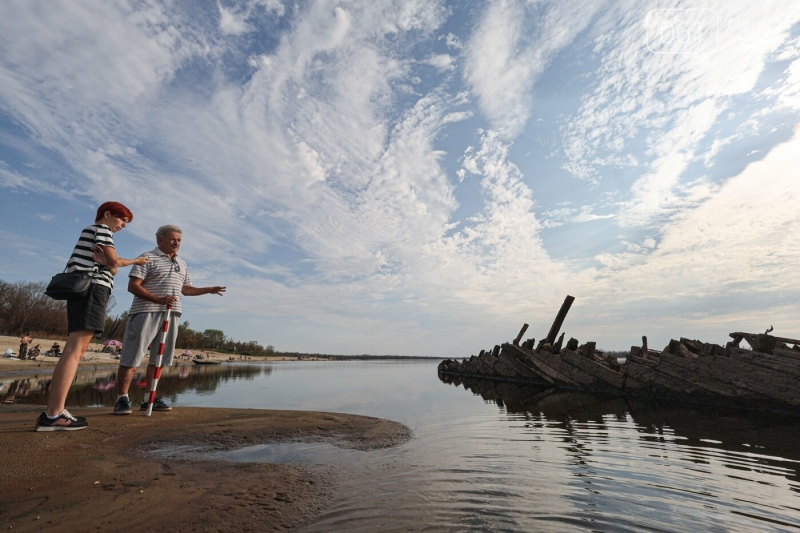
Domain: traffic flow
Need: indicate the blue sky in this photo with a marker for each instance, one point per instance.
(419, 177)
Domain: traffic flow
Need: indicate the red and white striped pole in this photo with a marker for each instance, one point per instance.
(157, 373)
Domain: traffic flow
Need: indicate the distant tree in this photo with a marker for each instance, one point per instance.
(213, 338)
(115, 327)
(24, 307)
(184, 335)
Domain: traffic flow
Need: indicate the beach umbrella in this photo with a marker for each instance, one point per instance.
(112, 342)
(187, 352)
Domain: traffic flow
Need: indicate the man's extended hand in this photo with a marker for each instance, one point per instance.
(216, 290)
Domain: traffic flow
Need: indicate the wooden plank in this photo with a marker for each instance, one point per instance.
(523, 370)
(496, 366)
(527, 358)
(520, 334)
(607, 378)
(562, 314)
(642, 371)
(483, 366)
(721, 374)
(577, 376)
(780, 362)
(697, 381)
(741, 335)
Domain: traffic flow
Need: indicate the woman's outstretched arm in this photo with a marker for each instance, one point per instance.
(107, 255)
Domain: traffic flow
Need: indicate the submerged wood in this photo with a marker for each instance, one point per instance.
(764, 376)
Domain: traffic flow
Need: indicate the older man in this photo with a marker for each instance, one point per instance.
(154, 285)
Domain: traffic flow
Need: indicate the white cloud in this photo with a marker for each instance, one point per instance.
(453, 41)
(729, 258)
(586, 215)
(232, 23)
(443, 62)
(787, 94)
(11, 179)
(672, 99)
(503, 62)
(236, 19)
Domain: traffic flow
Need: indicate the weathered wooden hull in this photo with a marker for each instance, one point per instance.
(766, 376)
(742, 379)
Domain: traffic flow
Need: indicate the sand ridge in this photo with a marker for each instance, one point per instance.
(103, 477)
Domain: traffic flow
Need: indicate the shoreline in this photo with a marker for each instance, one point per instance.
(96, 358)
(103, 477)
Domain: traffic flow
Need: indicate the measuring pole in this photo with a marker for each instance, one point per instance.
(157, 373)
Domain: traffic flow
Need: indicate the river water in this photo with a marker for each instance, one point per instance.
(488, 456)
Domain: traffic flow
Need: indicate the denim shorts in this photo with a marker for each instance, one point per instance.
(89, 313)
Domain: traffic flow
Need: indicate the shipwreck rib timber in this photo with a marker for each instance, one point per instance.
(764, 376)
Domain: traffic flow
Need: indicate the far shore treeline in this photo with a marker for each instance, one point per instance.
(24, 307)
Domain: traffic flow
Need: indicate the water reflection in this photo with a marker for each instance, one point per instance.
(655, 421)
(97, 387)
(641, 464)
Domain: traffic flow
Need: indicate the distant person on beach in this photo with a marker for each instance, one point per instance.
(23, 345)
(155, 285)
(95, 253)
(35, 351)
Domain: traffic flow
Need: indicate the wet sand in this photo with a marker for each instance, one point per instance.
(109, 477)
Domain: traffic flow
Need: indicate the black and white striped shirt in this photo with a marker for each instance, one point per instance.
(81, 258)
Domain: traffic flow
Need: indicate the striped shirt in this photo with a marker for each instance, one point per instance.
(81, 258)
(162, 276)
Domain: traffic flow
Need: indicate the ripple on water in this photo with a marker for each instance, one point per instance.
(496, 457)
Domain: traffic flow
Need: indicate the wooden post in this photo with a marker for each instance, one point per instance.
(556, 349)
(562, 314)
(644, 347)
(521, 333)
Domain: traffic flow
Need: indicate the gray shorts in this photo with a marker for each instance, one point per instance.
(144, 329)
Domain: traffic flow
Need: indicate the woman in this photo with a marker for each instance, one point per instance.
(95, 253)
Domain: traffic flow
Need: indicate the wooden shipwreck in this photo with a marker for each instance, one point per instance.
(765, 376)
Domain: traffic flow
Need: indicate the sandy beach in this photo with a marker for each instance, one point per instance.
(111, 477)
(95, 356)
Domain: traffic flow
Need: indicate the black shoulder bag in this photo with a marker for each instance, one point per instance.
(69, 285)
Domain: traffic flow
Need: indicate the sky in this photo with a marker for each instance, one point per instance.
(419, 177)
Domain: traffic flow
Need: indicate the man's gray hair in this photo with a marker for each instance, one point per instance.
(163, 230)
